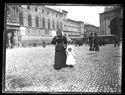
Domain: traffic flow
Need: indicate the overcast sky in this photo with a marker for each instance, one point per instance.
(87, 14)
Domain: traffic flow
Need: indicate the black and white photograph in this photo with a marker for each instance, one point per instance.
(62, 48)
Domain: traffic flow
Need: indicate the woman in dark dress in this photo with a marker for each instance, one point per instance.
(60, 54)
(91, 42)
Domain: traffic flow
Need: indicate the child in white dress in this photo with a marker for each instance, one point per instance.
(70, 61)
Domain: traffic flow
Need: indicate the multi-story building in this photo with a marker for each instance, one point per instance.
(12, 29)
(33, 22)
(41, 21)
(90, 29)
(73, 28)
(111, 21)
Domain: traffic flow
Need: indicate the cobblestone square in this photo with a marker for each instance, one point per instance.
(31, 69)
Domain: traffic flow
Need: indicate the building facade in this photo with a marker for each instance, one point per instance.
(90, 29)
(36, 22)
(12, 28)
(32, 22)
(111, 21)
(40, 20)
(73, 28)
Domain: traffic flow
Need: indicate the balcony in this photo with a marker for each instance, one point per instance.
(11, 21)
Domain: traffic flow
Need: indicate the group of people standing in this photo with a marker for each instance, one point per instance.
(93, 42)
(62, 58)
(63, 55)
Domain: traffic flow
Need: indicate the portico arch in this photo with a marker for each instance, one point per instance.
(116, 26)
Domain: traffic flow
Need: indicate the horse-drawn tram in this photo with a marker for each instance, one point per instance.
(102, 39)
(78, 40)
(108, 39)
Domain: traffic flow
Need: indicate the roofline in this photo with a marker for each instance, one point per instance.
(111, 10)
(63, 11)
(80, 21)
(52, 9)
(75, 21)
(90, 25)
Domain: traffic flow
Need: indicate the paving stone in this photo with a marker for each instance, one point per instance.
(93, 72)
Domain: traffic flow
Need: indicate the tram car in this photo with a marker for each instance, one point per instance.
(78, 41)
(107, 39)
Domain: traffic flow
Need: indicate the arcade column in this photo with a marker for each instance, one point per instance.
(15, 38)
(9, 44)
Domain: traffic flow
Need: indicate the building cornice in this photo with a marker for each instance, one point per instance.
(90, 25)
(55, 10)
(110, 11)
(74, 21)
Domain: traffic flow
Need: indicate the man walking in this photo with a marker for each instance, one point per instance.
(91, 42)
(96, 42)
(116, 42)
(43, 44)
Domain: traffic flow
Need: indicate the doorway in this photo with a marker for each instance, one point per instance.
(116, 27)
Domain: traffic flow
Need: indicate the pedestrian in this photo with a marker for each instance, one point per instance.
(103, 41)
(34, 44)
(116, 42)
(86, 41)
(96, 42)
(75, 42)
(60, 43)
(70, 55)
(91, 41)
(100, 41)
(43, 44)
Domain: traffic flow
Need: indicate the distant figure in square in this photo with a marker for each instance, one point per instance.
(117, 42)
(60, 55)
(96, 42)
(91, 42)
(44, 44)
(70, 55)
(34, 44)
(103, 41)
(86, 42)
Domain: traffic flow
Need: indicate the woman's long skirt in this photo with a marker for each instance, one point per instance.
(60, 60)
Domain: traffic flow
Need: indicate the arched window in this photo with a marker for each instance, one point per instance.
(8, 11)
(48, 23)
(37, 22)
(43, 11)
(43, 21)
(14, 11)
(53, 24)
(61, 25)
(29, 21)
(21, 19)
